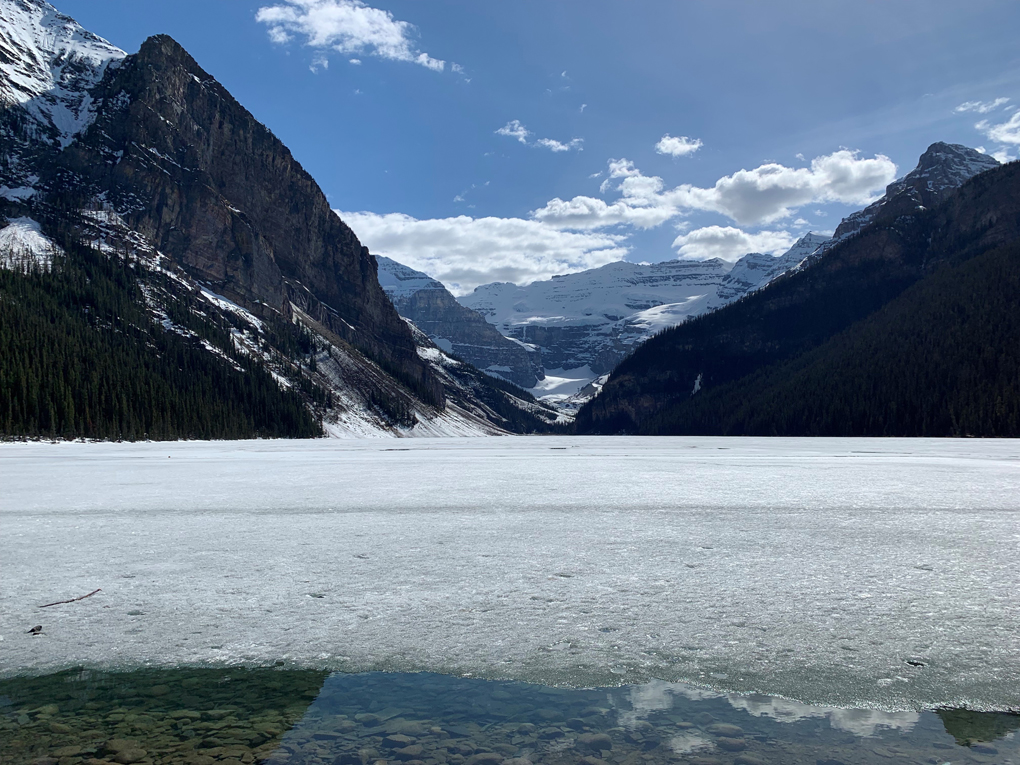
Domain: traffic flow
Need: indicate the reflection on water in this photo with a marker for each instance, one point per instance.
(287, 717)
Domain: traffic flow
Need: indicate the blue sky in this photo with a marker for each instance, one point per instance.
(485, 141)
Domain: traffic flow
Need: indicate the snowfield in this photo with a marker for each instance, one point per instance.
(871, 573)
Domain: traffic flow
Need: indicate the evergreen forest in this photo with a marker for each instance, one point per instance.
(81, 356)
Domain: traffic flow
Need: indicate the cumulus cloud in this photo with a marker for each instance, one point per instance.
(771, 191)
(1005, 132)
(465, 252)
(349, 27)
(514, 129)
(981, 107)
(678, 147)
(765, 194)
(730, 243)
(570, 235)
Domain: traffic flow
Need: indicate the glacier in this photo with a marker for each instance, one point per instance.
(813, 569)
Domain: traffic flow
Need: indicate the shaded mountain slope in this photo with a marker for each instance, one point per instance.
(942, 359)
(803, 310)
(457, 329)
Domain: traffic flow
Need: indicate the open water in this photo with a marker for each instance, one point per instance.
(279, 716)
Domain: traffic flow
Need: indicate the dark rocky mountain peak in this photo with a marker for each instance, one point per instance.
(942, 169)
(192, 171)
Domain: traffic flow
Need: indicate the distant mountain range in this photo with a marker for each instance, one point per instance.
(571, 331)
(148, 215)
(557, 337)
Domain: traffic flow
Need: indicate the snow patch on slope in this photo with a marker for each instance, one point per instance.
(24, 247)
(48, 64)
(399, 281)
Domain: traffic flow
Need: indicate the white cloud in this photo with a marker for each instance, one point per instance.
(765, 194)
(622, 168)
(1005, 132)
(346, 26)
(981, 107)
(772, 191)
(464, 252)
(514, 129)
(678, 147)
(730, 243)
(554, 145)
(564, 235)
(1004, 155)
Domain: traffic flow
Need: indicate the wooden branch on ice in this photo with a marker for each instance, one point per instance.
(72, 600)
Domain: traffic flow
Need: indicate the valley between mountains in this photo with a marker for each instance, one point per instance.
(170, 270)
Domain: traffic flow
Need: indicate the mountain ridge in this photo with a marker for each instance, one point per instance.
(169, 175)
(806, 308)
(456, 328)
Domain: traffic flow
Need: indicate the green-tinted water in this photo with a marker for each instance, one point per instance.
(225, 717)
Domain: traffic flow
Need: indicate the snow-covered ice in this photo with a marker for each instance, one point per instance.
(814, 569)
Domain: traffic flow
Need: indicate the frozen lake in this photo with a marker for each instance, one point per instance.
(871, 573)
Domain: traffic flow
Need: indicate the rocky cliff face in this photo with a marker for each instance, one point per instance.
(194, 173)
(456, 329)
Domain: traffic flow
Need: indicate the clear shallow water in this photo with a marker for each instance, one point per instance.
(873, 573)
(285, 717)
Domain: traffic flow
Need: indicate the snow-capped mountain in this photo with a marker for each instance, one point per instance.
(48, 67)
(584, 323)
(48, 64)
(228, 253)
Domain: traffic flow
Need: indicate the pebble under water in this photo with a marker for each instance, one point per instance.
(283, 716)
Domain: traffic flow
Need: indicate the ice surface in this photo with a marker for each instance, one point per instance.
(813, 569)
